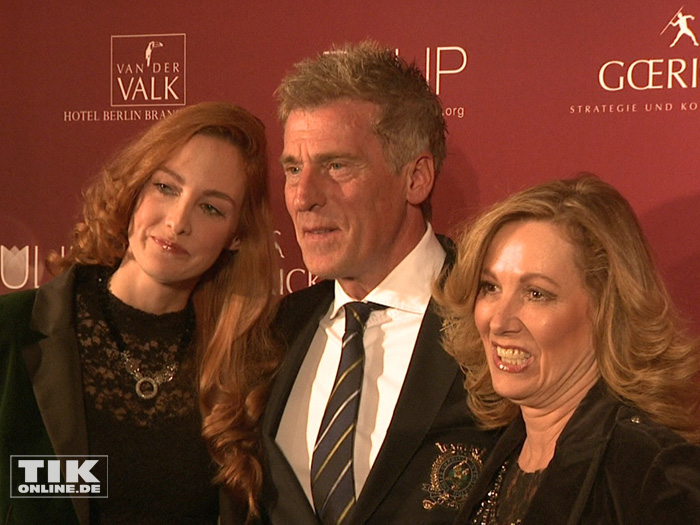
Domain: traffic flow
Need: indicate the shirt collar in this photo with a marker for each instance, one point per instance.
(409, 285)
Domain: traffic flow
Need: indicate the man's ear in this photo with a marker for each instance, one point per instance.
(420, 179)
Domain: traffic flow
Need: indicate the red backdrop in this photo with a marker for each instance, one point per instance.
(532, 91)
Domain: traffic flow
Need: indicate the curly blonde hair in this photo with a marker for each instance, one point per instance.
(644, 353)
(234, 300)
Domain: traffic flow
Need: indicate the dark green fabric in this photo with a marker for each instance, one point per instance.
(21, 427)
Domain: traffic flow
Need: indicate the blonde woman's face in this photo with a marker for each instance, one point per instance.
(187, 213)
(533, 314)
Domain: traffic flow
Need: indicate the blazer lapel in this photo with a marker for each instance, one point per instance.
(299, 343)
(568, 481)
(53, 364)
(283, 480)
(429, 365)
(566, 484)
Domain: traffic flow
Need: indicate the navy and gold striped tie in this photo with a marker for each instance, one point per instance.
(332, 479)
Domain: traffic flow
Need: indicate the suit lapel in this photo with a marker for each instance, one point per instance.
(298, 344)
(429, 365)
(283, 479)
(53, 364)
(567, 483)
(511, 439)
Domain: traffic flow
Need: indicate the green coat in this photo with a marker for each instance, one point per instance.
(41, 394)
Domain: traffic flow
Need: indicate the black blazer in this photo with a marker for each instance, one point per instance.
(431, 409)
(612, 465)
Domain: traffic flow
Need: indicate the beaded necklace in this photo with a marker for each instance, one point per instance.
(488, 511)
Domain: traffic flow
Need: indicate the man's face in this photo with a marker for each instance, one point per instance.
(350, 210)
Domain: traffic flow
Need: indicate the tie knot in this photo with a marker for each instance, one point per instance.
(357, 313)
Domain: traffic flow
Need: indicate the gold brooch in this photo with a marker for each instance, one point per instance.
(452, 476)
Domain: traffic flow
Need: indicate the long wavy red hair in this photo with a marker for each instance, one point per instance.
(235, 299)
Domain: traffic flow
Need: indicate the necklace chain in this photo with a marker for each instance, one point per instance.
(487, 513)
(147, 386)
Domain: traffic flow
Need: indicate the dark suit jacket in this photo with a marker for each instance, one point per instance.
(431, 409)
(612, 465)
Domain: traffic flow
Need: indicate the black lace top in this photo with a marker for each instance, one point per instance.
(159, 469)
(510, 495)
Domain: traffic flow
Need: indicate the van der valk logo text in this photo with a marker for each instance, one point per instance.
(148, 70)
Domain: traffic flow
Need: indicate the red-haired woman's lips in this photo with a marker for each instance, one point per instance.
(169, 246)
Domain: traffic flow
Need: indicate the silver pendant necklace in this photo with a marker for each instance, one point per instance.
(147, 386)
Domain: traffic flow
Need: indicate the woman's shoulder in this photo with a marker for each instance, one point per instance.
(648, 473)
(605, 418)
(17, 302)
(15, 316)
(659, 466)
(634, 428)
(21, 311)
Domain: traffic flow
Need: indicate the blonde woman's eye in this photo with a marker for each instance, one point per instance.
(486, 287)
(539, 295)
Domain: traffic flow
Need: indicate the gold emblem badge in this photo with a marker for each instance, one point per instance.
(452, 476)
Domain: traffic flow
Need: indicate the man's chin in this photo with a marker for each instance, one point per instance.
(323, 270)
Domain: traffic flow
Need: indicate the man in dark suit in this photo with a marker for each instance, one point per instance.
(364, 141)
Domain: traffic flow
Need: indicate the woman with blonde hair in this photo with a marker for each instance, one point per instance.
(155, 333)
(569, 340)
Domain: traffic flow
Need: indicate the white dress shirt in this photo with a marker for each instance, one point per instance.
(389, 338)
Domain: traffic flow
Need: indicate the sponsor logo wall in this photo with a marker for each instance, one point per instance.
(531, 91)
